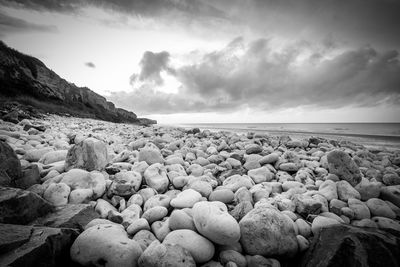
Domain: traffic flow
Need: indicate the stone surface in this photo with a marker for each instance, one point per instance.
(391, 193)
(186, 199)
(158, 255)
(75, 216)
(81, 179)
(90, 154)
(22, 245)
(126, 183)
(346, 191)
(215, 224)
(57, 194)
(201, 249)
(21, 207)
(10, 166)
(345, 245)
(341, 164)
(156, 177)
(267, 232)
(99, 245)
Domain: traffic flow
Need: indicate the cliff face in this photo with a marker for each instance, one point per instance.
(26, 76)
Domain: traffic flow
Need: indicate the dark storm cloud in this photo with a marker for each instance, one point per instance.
(137, 7)
(9, 24)
(258, 76)
(90, 65)
(151, 66)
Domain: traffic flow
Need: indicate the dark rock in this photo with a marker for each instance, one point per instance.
(341, 164)
(345, 246)
(70, 216)
(391, 193)
(11, 117)
(10, 166)
(21, 207)
(41, 128)
(30, 176)
(22, 245)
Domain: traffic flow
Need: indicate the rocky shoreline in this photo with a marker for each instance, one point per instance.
(83, 192)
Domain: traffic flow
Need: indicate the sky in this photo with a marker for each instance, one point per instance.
(201, 61)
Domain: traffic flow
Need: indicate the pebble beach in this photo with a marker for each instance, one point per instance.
(170, 196)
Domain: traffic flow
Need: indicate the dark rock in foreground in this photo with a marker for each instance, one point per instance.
(21, 207)
(10, 166)
(347, 246)
(22, 245)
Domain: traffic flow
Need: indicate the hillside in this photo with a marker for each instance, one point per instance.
(28, 81)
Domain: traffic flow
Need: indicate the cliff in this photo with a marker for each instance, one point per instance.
(27, 79)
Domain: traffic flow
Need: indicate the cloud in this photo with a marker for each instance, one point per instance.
(259, 76)
(152, 64)
(90, 65)
(9, 24)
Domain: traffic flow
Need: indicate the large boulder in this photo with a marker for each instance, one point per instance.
(89, 154)
(215, 223)
(341, 164)
(267, 232)
(22, 245)
(345, 245)
(21, 207)
(10, 166)
(126, 183)
(75, 216)
(81, 179)
(156, 177)
(105, 245)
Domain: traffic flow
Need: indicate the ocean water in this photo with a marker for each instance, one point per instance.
(369, 134)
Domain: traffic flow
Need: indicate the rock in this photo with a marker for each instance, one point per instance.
(57, 194)
(10, 166)
(179, 219)
(144, 238)
(201, 249)
(328, 189)
(386, 223)
(232, 256)
(303, 227)
(215, 224)
(79, 196)
(391, 193)
(306, 205)
(75, 216)
(100, 245)
(243, 194)
(345, 245)
(302, 242)
(391, 179)
(368, 189)
(53, 156)
(89, 154)
(22, 245)
(186, 199)
(265, 231)
(157, 200)
(137, 225)
(346, 191)
(378, 207)
(34, 155)
(203, 187)
(158, 255)
(269, 159)
(156, 177)
(11, 116)
(286, 186)
(155, 214)
(260, 261)
(161, 229)
(321, 222)
(341, 164)
(223, 195)
(253, 149)
(289, 167)
(236, 181)
(361, 211)
(21, 207)
(126, 183)
(30, 176)
(241, 209)
(260, 175)
(103, 208)
(150, 155)
(81, 179)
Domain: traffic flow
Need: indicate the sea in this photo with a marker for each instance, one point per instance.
(377, 135)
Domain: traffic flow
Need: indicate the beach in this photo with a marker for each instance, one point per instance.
(120, 194)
